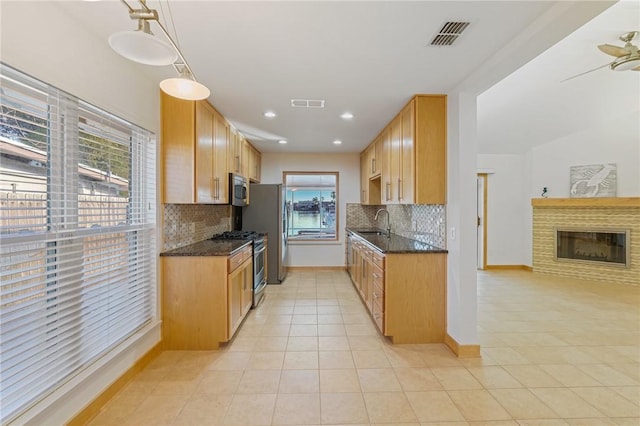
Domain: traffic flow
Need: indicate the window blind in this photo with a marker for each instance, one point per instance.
(77, 236)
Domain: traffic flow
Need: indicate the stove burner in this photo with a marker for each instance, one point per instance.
(236, 235)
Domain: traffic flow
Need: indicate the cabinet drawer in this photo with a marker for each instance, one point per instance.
(377, 276)
(377, 296)
(238, 258)
(378, 259)
(378, 316)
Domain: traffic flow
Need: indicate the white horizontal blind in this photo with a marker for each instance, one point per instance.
(77, 237)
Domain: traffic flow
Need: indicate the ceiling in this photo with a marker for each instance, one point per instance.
(533, 105)
(363, 57)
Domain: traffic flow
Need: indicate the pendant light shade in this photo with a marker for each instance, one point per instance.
(184, 88)
(142, 46)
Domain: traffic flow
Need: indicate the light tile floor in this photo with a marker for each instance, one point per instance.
(555, 351)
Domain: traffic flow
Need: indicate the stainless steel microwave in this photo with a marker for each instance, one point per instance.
(237, 190)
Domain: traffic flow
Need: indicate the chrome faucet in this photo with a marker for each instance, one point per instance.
(388, 220)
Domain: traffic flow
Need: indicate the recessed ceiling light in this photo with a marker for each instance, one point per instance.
(282, 142)
(270, 114)
(337, 142)
(347, 116)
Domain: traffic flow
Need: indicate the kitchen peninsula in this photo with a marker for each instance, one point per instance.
(402, 282)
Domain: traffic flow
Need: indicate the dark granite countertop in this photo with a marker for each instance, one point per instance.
(208, 248)
(394, 243)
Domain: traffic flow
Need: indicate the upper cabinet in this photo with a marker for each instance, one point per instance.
(199, 150)
(413, 155)
(194, 151)
(246, 153)
(373, 159)
(255, 164)
(235, 151)
(243, 158)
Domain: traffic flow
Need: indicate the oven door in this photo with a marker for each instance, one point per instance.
(259, 278)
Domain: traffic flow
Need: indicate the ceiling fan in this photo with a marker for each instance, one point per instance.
(627, 57)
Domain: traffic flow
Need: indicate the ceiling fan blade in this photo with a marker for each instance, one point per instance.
(612, 50)
(586, 72)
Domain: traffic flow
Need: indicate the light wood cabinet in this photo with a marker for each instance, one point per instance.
(235, 151)
(407, 155)
(364, 179)
(373, 155)
(205, 298)
(413, 156)
(240, 285)
(244, 158)
(194, 150)
(221, 148)
(369, 181)
(405, 293)
(391, 176)
(255, 165)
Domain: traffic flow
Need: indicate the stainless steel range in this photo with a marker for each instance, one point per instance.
(259, 276)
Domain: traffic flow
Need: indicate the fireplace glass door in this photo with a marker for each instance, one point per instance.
(605, 247)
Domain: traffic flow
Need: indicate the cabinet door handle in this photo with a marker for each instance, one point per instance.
(216, 188)
(212, 190)
(399, 189)
(373, 165)
(387, 186)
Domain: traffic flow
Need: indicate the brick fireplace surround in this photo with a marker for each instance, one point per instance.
(590, 213)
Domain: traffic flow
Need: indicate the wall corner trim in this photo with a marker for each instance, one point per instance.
(462, 351)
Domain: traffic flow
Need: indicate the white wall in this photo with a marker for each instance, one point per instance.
(611, 142)
(462, 301)
(506, 209)
(348, 167)
(39, 39)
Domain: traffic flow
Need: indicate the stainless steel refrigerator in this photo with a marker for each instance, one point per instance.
(267, 212)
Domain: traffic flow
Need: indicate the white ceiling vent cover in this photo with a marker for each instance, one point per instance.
(449, 33)
(307, 103)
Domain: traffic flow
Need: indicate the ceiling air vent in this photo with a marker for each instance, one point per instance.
(449, 33)
(307, 103)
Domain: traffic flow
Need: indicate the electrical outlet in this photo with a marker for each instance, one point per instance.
(452, 231)
(415, 225)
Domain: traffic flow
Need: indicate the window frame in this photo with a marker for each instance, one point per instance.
(335, 189)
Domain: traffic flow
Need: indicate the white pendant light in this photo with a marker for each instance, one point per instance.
(142, 46)
(184, 87)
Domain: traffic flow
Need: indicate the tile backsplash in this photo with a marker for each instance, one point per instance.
(422, 222)
(189, 223)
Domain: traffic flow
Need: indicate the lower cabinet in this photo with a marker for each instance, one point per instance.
(405, 293)
(205, 298)
(240, 285)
